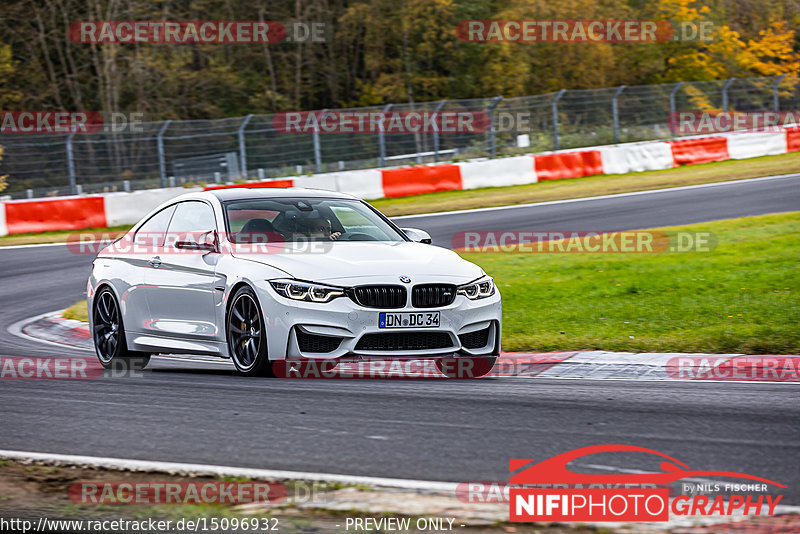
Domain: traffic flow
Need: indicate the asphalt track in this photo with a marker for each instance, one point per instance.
(430, 430)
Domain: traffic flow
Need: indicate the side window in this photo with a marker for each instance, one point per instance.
(152, 232)
(192, 219)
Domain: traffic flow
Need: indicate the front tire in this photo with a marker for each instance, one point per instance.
(109, 335)
(247, 335)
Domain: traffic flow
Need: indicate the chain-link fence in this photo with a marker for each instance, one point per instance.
(240, 148)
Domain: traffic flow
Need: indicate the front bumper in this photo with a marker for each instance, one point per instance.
(349, 322)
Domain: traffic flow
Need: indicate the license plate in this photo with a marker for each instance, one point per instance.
(408, 320)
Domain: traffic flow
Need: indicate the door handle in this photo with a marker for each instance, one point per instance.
(155, 261)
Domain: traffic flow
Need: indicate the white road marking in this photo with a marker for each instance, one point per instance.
(223, 470)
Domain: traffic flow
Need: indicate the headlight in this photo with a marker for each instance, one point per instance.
(307, 291)
(479, 289)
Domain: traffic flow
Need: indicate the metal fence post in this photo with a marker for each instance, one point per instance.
(615, 111)
(242, 152)
(162, 163)
(672, 94)
(493, 105)
(317, 150)
(728, 83)
(382, 136)
(436, 131)
(555, 117)
(775, 102)
(71, 165)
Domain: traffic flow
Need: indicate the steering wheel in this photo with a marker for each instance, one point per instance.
(359, 237)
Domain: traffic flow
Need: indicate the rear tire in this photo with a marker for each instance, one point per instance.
(466, 367)
(247, 335)
(108, 334)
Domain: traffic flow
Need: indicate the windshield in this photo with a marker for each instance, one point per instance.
(305, 219)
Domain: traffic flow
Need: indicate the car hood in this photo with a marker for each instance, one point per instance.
(378, 262)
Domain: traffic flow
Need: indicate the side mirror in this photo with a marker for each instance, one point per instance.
(418, 236)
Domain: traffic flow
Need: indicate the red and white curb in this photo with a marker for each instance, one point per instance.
(52, 329)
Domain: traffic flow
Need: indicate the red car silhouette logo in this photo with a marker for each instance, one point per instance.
(554, 470)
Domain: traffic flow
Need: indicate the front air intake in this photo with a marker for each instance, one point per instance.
(314, 343)
(475, 340)
(394, 341)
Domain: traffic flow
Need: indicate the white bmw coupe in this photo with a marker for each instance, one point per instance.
(268, 275)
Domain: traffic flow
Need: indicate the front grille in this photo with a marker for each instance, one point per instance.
(405, 341)
(433, 295)
(379, 296)
(315, 343)
(475, 340)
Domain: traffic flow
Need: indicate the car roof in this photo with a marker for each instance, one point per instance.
(245, 193)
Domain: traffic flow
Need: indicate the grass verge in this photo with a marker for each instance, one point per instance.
(77, 311)
(58, 236)
(743, 297)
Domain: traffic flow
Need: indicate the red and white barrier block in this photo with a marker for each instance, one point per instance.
(73, 213)
(3, 227)
(60, 213)
(76, 213)
(636, 157)
(517, 170)
(755, 144)
(128, 208)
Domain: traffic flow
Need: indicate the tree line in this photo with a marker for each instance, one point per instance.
(375, 52)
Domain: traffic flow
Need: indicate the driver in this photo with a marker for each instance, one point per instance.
(321, 228)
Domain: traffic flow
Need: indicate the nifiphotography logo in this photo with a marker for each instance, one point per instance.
(572, 496)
